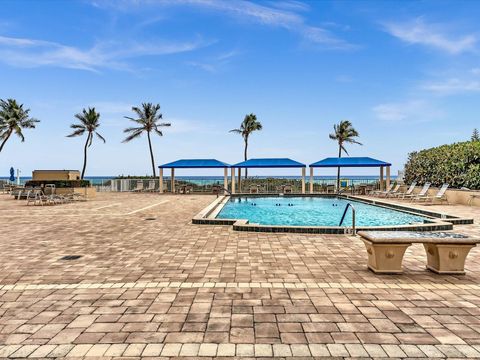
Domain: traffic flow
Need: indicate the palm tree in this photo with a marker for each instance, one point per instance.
(149, 117)
(14, 118)
(248, 126)
(89, 123)
(343, 133)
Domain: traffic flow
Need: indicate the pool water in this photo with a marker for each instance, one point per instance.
(311, 211)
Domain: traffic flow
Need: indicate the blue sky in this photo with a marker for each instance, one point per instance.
(406, 74)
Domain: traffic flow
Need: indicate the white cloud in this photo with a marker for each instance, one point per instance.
(409, 111)
(215, 63)
(432, 35)
(25, 52)
(283, 14)
(453, 86)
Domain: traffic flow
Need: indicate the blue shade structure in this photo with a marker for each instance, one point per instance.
(349, 162)
(358, 162)
(192, 164)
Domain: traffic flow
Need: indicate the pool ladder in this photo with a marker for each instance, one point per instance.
(354, 231)
(224, 190)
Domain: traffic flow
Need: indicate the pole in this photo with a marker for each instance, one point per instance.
(381, 178)
(225, 180)
(173, 181)
(239, 180)
(18, 176)
(160, 181)
(311, 180)
(303, 180)
(388, 177)
(233, 180)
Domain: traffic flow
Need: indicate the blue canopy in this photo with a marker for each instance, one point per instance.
(350, 162)
(269, 163)
(195, 163)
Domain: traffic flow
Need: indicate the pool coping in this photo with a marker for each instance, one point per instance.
(438, 221)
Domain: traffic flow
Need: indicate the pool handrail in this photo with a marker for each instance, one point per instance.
(353, 217)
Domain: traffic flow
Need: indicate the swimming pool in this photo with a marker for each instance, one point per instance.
(312, 211)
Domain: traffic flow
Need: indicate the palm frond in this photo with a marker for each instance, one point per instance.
(148, 117)
(90, 139)
(13, 118)
(77, 133)
(132, 129)
(18, 131)
(100, 137)
(132, 136)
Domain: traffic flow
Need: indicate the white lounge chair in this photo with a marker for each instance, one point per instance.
(440, 195)
(381, 192)
(139, 186)
(390, 193)
(151, 186)
(422, 192)
(408, 192)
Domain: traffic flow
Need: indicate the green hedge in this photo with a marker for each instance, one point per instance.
(59, 183)
(456, 164)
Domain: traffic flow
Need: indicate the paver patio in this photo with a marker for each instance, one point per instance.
(165, 287)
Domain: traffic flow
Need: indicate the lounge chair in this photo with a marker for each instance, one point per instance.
(37, 197)
(382, 192)
(139, 186)
(253, 189)
(408, 192)
(422, 192)
(392, 192)
(151, 186)
(440, 195)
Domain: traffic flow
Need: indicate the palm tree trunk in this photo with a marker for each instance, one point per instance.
(246, 157)
(151, 154)
(85, 155)
(338, 169)
(4, 141)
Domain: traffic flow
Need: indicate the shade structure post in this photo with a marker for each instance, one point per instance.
(311, 180)
(225, 180)
(381, 178)
(303, 180)
(160, 181)
(173, 181)
(388, 177)
(239, 180)
(233, 180)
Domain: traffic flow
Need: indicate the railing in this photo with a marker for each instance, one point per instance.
(353, 217)
(206, 185)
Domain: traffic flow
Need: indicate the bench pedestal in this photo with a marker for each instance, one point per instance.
(447, 258)
(385, 258)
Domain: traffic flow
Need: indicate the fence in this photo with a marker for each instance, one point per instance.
(265, 185)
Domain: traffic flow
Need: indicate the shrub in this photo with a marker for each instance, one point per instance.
(59, 183)
(456, 164)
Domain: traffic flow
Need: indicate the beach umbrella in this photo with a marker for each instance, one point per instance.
(12, 174)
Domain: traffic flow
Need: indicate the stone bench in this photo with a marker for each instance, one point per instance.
(446, 252)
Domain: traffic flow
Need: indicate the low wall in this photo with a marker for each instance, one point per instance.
(454, 196)
(88, 192)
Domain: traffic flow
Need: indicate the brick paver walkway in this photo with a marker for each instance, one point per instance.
(165, 287)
